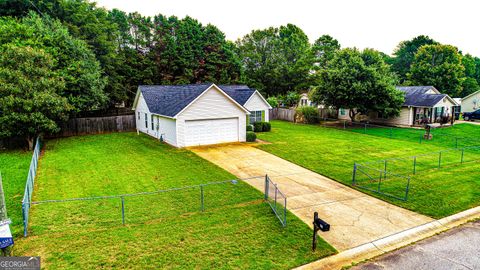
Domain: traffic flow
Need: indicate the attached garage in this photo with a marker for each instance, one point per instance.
(192, 115)
(211, 131)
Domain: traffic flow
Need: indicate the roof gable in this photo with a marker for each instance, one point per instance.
(256, 93)
(222, 92)
(471, 95)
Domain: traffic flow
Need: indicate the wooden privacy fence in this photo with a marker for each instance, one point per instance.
(96, 125)
(289, 114)
(282, 114)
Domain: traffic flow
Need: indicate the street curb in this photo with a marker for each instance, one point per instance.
(392, 242)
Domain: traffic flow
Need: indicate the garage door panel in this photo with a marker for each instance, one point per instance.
(211, 131)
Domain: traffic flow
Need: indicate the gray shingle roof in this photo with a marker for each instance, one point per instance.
(169, 100)
(417, 96)
(240, 93)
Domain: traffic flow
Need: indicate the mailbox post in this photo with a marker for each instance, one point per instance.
(318, 224)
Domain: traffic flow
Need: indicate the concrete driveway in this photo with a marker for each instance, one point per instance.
(355, 217)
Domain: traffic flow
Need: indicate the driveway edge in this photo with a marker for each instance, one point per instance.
(393, 242)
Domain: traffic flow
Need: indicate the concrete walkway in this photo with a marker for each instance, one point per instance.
(458, 248)
(355, 218)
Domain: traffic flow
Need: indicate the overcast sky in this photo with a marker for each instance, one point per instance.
(361, 23)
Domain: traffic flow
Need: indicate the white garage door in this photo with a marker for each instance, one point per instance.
(211, 131)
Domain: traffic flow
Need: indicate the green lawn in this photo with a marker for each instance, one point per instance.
(14, 169)
(332, 152)
(459, 135)
(167, 230)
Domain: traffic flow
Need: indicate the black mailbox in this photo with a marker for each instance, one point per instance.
(321, 224)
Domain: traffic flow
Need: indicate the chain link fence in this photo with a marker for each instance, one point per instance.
(276, 199)
(444, 136)
(104, 211)
(391, 177)
(27, 196)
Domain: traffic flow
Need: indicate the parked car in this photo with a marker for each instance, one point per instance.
(475, 115)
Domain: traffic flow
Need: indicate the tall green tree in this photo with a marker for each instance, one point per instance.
(73, 59)
(276, 60)
(440, 66)
(31, 100)
(359, 81)
(470, 84)
(324, 49)
(405, 52)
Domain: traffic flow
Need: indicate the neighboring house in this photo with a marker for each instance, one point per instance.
(471, 102)
(422, 104)
(198, 114)
(304, 100)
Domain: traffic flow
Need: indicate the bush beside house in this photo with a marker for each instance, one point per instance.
(251, 136)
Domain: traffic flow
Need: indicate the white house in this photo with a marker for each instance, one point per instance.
(471, 102)
(422, 104)
(198, 114)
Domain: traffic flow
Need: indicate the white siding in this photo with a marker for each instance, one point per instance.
(471, 103)
(142, 108)
(162, 126)
(404, 119)
(211, 105)
(256, 103)
(168, 130)
(446, 104)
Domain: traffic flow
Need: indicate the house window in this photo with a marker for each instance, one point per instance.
(138, 115)
(146, 120)
(342, 111)
(151, 116)
(255, 116)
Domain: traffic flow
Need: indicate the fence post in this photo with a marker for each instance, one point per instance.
(354, 173)
(391, 133)
(463, 150)
(385, 169)
(344, 124)
(407, 188)
(276, 188)
(414, 165)
(421, 137)
(25, 222)
(439, 158)
(285, 211)
(123, 210)
(365, 129)
(266, 187)
(379, 182)
(202, 199)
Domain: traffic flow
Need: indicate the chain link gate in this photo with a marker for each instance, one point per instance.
(276, 199)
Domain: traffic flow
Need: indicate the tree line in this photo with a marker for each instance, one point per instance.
(59, 58)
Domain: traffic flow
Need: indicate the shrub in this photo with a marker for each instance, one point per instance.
(249, 128)
(273, 101)
(251, 136)
(258, 126)
(266, 126)
(307, 114)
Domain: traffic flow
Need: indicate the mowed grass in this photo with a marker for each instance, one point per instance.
(14, 167)
(460, 135)
(166, 230)
(332, 152)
